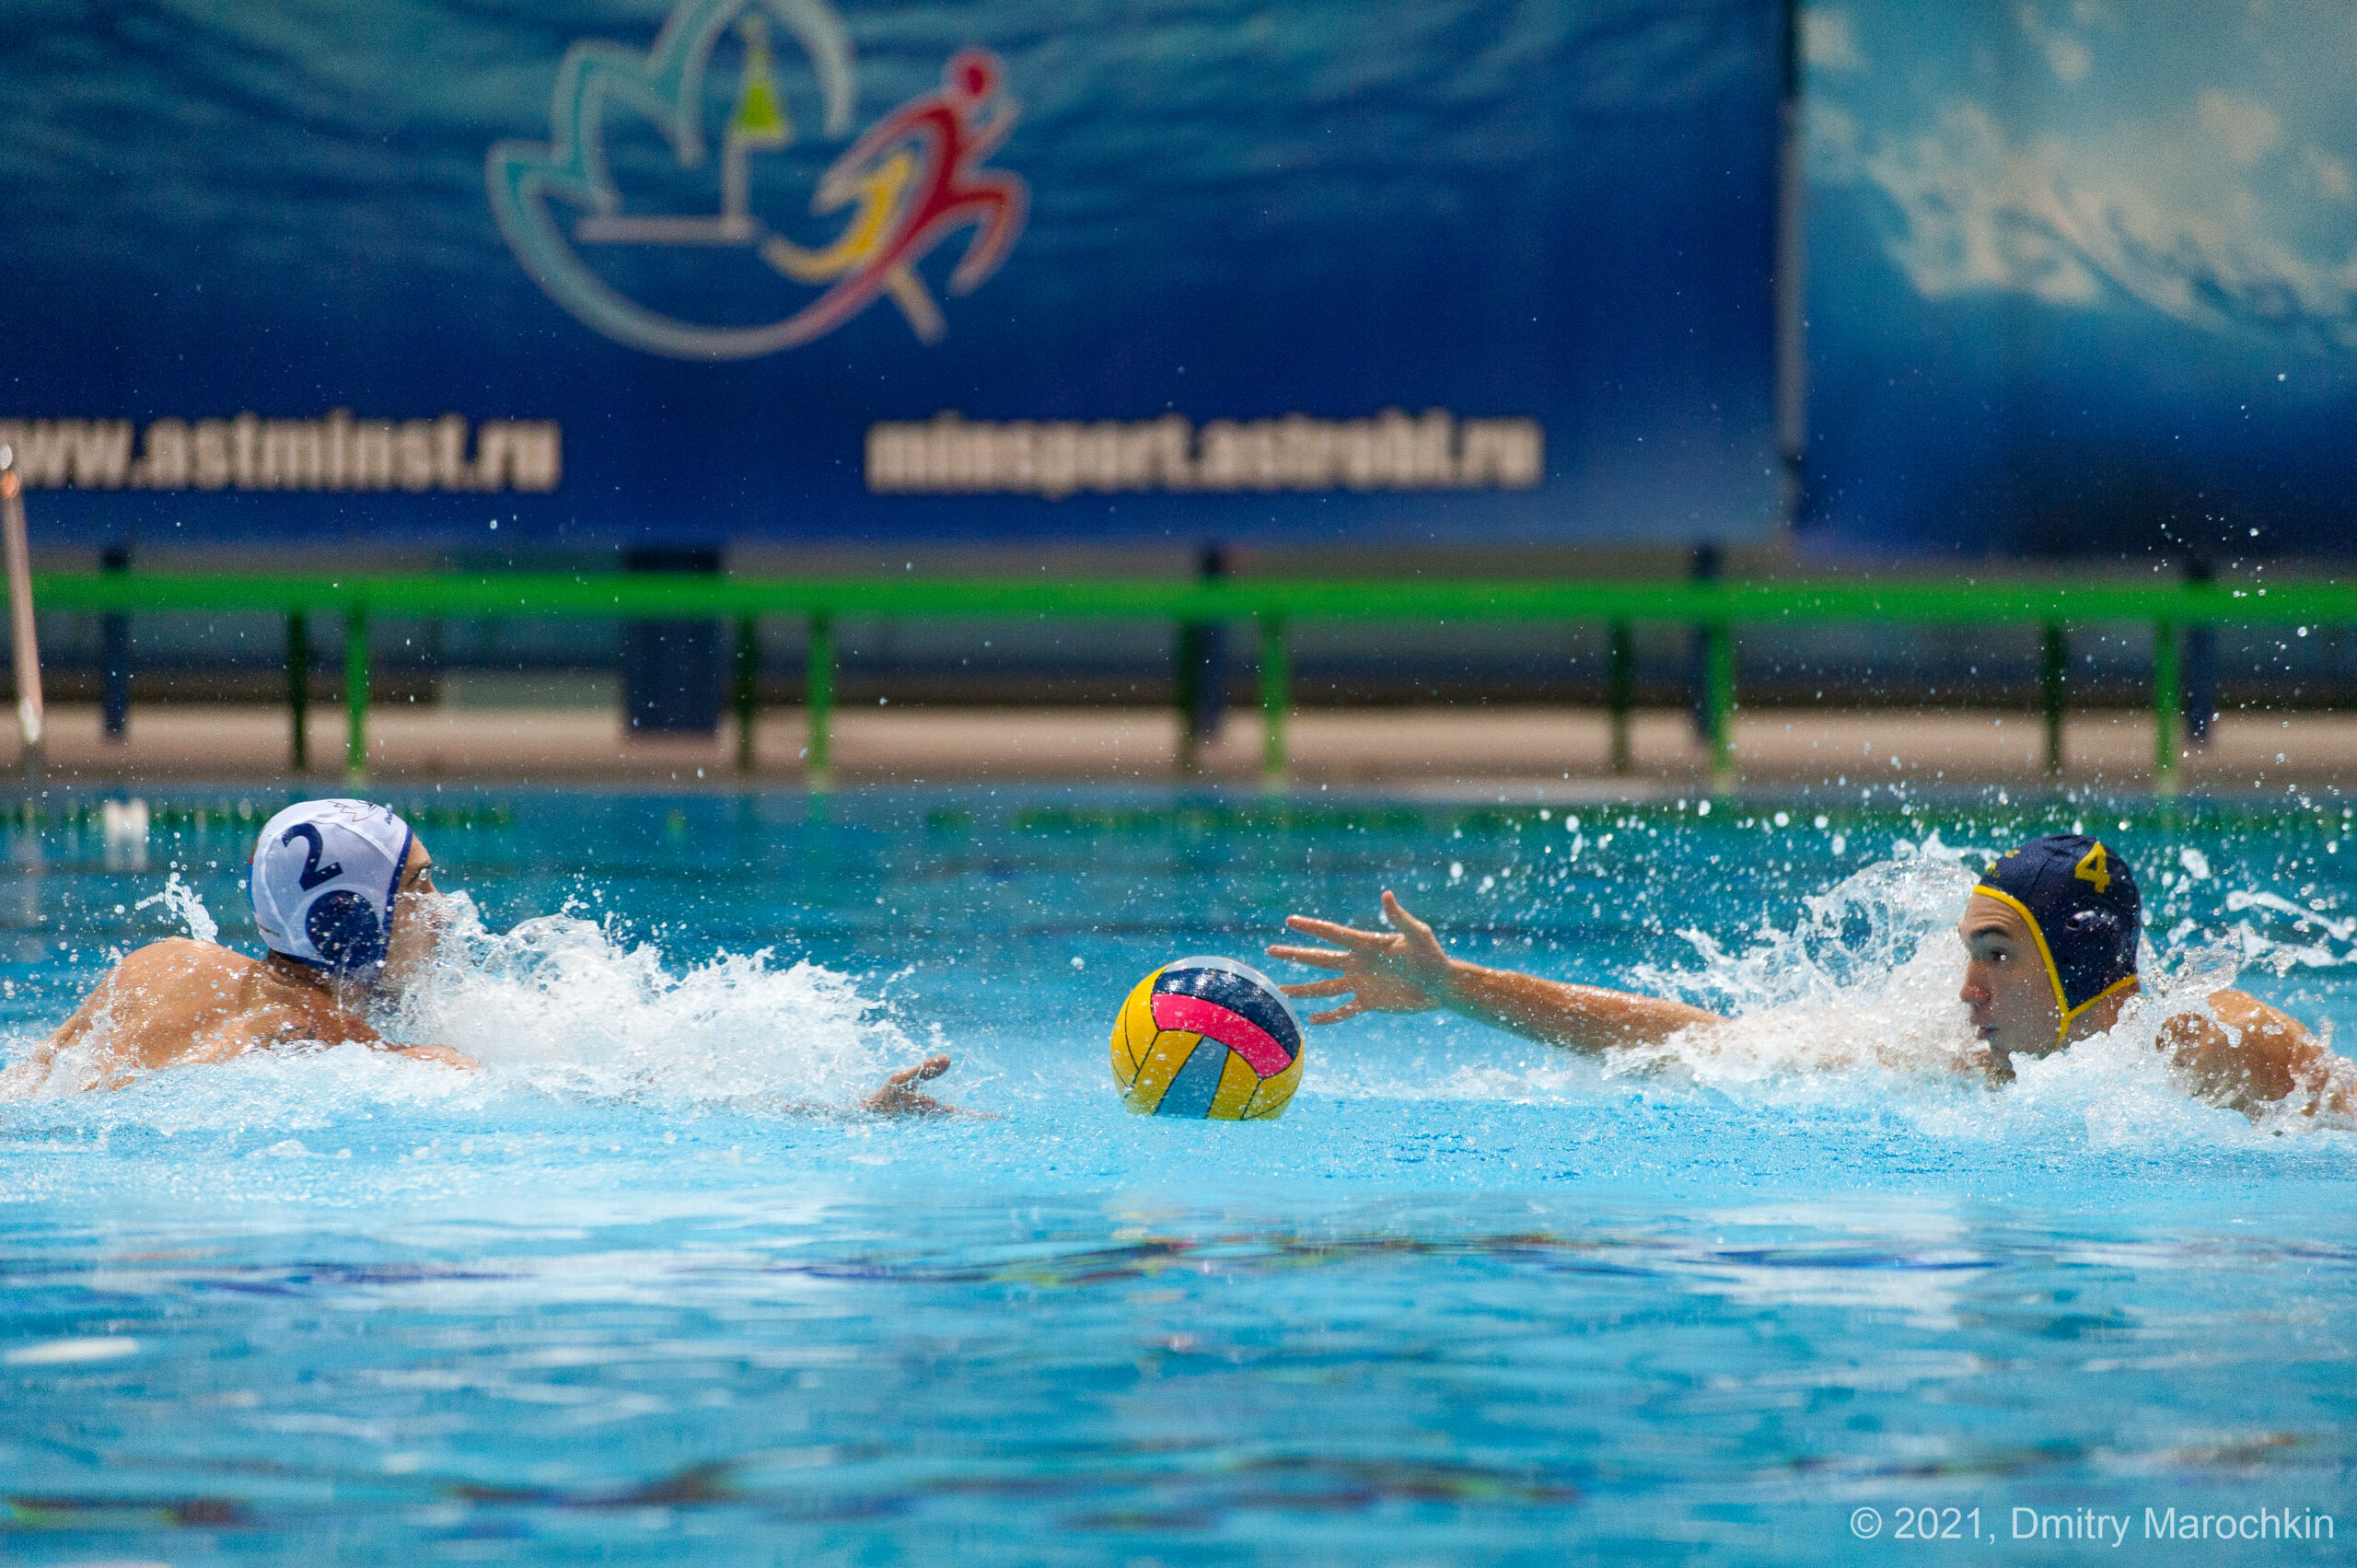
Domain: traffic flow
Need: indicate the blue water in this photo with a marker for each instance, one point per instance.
(618, 1299)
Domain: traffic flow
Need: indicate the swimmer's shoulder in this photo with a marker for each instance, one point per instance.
(182, 971)
(2248, 1054)
(2245, 1016)
(183, 955)
(205, 1002)
(168, 967)
(156, 997)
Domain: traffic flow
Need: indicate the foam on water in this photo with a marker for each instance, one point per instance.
(560, 1004)
(1848, 1010)
(1853, 1008)
(555, 1006)
(603, 1300)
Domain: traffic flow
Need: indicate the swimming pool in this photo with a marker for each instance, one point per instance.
(617, 1300)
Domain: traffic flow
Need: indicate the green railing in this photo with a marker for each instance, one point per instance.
(1273, 603)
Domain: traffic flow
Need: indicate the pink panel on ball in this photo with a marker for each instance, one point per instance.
(1234, 1031)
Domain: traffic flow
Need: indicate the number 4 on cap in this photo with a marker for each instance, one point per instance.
(2094, 867)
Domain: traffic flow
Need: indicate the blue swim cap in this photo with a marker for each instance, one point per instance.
(2082, 905)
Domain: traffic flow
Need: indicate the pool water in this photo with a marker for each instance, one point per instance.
(626, 1297)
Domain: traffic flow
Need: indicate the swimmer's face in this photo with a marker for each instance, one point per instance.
(2005, 983)
(416, 923)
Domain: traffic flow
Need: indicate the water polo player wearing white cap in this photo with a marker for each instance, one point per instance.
(2051, 938)
(343, 898)
(340, 891)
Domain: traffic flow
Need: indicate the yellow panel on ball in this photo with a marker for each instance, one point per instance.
(1236, 1084)
(1270, 1099)
(1162, 1059)
(1207, 1038)
(1133, 1031)
(1142, 1030)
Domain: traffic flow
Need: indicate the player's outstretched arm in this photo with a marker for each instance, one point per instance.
(1405, 970)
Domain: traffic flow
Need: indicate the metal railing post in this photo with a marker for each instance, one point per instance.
(1721, 702)
(1186, 670)
(1200, 681)
(1623, 693)
(21, 634)
(2052, 657)
(2168, 696)
(748, 694)
(298, 691)
(356, 694)
(1276, 699)
(818, 699)
(114, 656)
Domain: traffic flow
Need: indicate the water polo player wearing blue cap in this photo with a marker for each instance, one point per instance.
(344, 899)
(2049, 932)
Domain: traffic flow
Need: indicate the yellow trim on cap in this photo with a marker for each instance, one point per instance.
(2045, 955)
(2125, 982)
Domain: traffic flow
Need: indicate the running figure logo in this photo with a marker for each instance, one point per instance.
(909, 182)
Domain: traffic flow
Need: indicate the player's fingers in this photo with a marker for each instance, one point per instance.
(931, 1067)
(1319, 958)
(1347, 935)
(1340, 985)
(1406, 924)
(1349, 1009)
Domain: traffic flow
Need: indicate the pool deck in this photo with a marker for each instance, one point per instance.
(1524, 751)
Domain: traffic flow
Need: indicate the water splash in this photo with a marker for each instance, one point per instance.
(1853, 1006)
(1863, 982)
(183, 902)
(2283, 954)
(557, 1005)
(36, 1073)
(564, 1004)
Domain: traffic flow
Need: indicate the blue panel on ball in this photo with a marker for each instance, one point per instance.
(1190, 1092)
(1237, 994)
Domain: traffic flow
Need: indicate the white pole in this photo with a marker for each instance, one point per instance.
(20, 611)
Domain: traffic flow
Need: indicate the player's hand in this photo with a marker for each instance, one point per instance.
(1403, 970)
(900, 1096)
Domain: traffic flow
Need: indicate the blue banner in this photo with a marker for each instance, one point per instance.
(714, 270)
(2083, 278)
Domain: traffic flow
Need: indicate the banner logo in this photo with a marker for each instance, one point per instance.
(912, 181)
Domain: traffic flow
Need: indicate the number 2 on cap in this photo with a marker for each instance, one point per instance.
(314, 873)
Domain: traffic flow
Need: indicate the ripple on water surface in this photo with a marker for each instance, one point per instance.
(624, 1294)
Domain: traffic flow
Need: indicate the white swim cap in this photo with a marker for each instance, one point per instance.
(322, 882)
